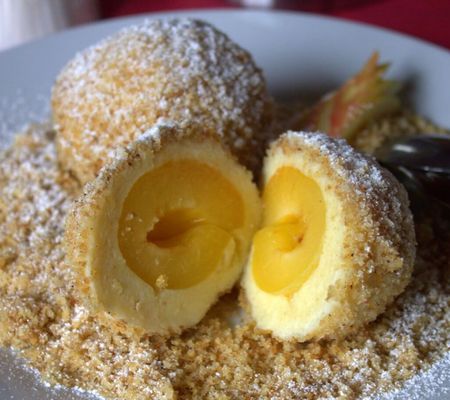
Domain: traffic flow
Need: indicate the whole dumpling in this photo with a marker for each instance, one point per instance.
(177, 69)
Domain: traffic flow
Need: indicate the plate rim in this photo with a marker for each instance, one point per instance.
(284, 13)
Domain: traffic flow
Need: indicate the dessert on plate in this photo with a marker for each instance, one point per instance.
(160, 124)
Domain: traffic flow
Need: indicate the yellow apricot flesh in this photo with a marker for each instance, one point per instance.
(286, 250)
(177, 224)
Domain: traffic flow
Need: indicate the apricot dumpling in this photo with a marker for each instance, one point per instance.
(336, 244)
(174, 68)
(164, 229)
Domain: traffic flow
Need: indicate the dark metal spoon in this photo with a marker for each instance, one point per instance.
(422, 164)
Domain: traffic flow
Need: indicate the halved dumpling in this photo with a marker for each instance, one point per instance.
(336, 244)
(164, 230)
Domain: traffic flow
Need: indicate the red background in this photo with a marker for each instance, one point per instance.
(426, 19)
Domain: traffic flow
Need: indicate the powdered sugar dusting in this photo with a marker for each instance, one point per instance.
(180, 69)
(359, 169)
(38, 306)
(155, 131)
(373, 185)
(429, 384)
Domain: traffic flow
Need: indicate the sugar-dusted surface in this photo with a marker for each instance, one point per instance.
(177, 163)
(368, 242)
(41, 315)
(181, 69)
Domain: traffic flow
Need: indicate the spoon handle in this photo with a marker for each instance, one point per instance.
(425, 188)
(430, 153)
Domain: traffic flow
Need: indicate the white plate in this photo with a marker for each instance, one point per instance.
(300, 54)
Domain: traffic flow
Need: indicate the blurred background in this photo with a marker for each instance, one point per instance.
(24, 20)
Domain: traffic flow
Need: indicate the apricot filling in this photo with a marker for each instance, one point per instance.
(177, 223)
(286, 250)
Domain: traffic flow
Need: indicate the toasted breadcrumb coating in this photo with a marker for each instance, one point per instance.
(179, 69)
(372, 240)
(42, 317)
(107, 283)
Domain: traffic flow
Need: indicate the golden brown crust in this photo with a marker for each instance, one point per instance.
(213, 360)
(82, 237)
(379, 242)
(179, 69)
(85, 207)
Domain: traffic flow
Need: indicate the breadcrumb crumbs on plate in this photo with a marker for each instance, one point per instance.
(42, 317)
